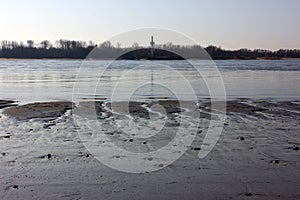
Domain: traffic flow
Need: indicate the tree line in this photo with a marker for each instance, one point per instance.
(80, 49)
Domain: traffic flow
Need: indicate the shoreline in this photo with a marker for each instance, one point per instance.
(53, 109)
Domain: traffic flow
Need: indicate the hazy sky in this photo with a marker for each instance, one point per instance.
(232, 24)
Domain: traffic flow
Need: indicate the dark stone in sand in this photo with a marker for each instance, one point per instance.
(241, 138)
(296, 148)
(48, 156)
(84, 155)
(39, 110)
(130, 140)
(275, 161)
(15, 187)
(6, 136)
(196, 148)
(248, 194)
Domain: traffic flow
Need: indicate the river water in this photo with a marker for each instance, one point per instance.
(48, 80)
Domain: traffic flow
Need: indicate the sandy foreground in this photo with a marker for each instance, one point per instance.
(44, 156)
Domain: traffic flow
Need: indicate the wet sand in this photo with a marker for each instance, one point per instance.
(38, 110)
(256, 157)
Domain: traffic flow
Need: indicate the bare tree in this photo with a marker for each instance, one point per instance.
(4, 44)
(118, 45)
(135, 45)
(91, 43)
(30, 43)
(14, 44)
(45, 44)
(106, 45)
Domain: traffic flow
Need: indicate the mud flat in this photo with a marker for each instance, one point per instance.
(43, 153)
(38, 110)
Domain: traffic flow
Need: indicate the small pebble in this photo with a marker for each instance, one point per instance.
(15, 187)
(248, 194)
(49, 156)
(242, 138)
(296, 148)
(274, 161)
(130, 140)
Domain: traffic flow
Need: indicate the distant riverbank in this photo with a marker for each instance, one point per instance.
(67, 49)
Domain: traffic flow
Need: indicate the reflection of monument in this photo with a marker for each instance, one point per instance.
(152, 47)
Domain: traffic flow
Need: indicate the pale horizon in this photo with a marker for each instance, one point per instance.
(232, 24)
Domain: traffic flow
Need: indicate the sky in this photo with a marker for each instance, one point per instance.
(231, 24)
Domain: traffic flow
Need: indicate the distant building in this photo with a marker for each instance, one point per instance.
(152, 43)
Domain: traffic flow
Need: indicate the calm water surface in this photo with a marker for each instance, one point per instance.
(45, 80)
